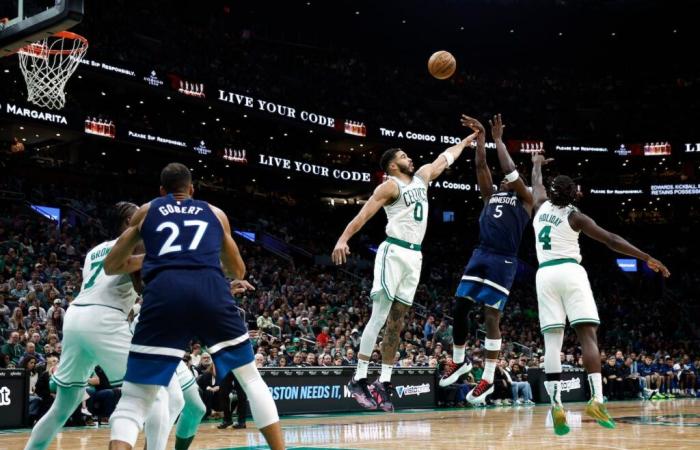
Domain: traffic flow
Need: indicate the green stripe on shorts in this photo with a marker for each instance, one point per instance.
(188, 384)
(585, 320)
(553, 327)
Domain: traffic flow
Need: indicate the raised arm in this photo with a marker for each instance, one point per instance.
(121, 259)
(231, 260)
(581, 222)
(506, 162)
(483, 173)
(385, 193)
(431, 171)
(538, 189)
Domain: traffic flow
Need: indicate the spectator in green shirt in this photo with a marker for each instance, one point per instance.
(13, 348)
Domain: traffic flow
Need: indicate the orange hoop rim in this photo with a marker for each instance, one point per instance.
(37, 49)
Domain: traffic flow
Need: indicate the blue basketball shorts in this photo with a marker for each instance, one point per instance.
(179, 305)
(488, 278)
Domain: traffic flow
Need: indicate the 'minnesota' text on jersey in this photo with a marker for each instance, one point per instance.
(407, 217)
(502, 223)
(555, 239)
(180, 234)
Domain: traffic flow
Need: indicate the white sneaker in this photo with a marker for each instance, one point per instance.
(86, 412)
(518, 402)
(497, 402)
(462, 369)
(528, 402)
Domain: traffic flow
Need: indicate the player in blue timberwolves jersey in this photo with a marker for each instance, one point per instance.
(187, 243)
(491, 270)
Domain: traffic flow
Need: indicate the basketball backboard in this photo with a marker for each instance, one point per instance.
(25, 21)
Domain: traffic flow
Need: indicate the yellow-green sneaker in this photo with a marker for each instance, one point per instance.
(599, 412)
(559, 420)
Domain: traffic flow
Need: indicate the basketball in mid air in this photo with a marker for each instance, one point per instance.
(442, 65)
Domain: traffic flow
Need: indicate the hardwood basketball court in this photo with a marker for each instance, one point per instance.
(673, 424)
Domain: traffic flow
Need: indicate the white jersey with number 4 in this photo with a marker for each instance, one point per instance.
(115, 291)
(408, 215)
(555, 237)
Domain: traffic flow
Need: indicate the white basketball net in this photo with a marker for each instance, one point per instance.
(48, 64)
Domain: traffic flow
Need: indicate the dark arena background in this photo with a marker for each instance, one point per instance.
(281, 111)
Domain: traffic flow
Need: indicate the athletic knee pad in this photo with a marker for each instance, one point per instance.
(262, 406)
(553, 340)
(128, 417)
(380, 311)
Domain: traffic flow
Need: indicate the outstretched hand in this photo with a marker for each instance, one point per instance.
(538, 158)
(472, 123)
(497, 127)
(657, 266)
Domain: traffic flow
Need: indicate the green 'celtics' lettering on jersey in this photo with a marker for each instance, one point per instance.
(415, 195)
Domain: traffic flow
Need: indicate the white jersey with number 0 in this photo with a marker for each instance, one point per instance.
(98, 288)
(555, 237)
(408, 215)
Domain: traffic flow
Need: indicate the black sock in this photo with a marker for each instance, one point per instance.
(183, 443)
(460, 328)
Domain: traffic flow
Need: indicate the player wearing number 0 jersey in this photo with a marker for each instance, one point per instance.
(187, 243)
(563, 289)
(397, 267)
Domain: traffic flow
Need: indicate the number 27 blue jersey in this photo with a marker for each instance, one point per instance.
(180, 234)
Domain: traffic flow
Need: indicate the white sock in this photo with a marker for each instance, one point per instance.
(385, 377)
(489, 369)
(554, 391)
(458, 354)
(595, 381)
(361, 371)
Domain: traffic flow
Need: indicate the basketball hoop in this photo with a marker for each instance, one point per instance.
(48, 64)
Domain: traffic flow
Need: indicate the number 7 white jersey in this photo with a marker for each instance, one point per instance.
(407, 217)
(114, 291)
(555, 239)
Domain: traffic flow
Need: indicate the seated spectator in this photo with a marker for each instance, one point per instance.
(323, 337)
(29, 364)
(31, 353)
(259, 360)
(630, 380)
(349, 359)
(103, 398)
(264, 322)
(205, 363)
(208, 389)
(297, 360)
(612, 380)
(311, 360)
(17, 320)
(13, 349)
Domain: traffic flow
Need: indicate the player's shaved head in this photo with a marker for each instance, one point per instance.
(387, 158)
(563, 191)
(175, 177)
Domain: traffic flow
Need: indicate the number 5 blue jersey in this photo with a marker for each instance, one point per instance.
(502, 223)
(180, 234)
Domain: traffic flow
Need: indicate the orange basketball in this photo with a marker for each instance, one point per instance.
(442, 65)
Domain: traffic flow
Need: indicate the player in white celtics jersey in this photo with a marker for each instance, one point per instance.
(96, 332)
(404, 197)
(563, 289)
